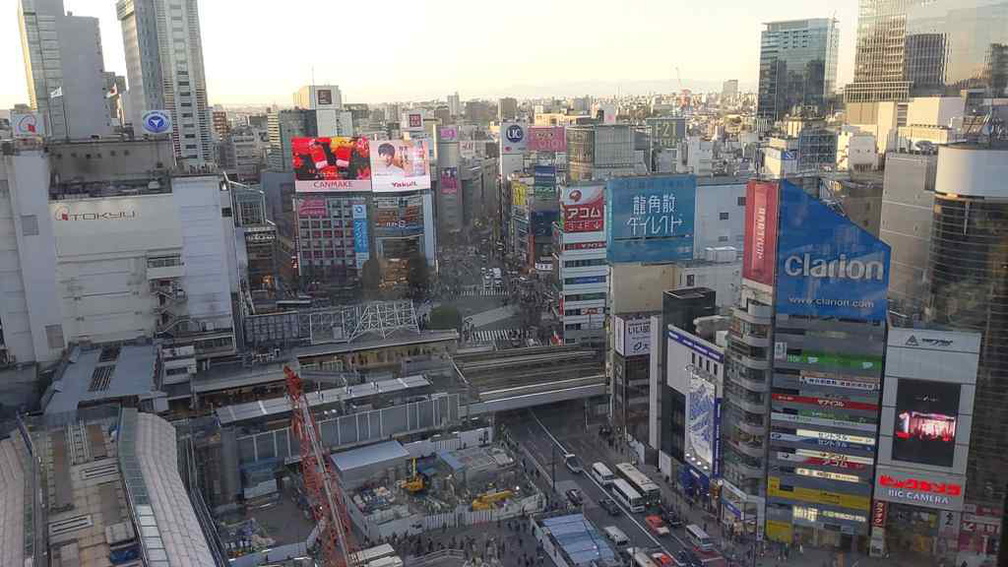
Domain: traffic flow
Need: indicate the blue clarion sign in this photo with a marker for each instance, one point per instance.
(650, 219)
(827, 266)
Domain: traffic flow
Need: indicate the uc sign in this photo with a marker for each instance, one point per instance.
(514, 133)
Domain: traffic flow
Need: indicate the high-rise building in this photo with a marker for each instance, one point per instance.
(969, 291)
(164, 66)
(282, 125)
(804, 371)
(798, 65)
(908, 48)
(65, 70)
(507, 109)
(729, 90)
(454, 105)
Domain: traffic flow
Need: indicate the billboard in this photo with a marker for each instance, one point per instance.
(542, 222)
(398, 215)
(544, 176)
(411, 120)
(547, 139)
(760, 250)
(513, 138)
(919, 488)
(632, 335)
(926, 417)
(583, 208)
(27, 124)
(323, 97)
(519, 194)
(331, 164)
(311, 207)
(448, 181)
(448, 134)
(115, 224)
(400, 165)
(700, 401)
(650, 219)
(827, 266)
(362, 250)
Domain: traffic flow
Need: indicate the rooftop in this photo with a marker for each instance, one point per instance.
(101, 374)
(580, 541)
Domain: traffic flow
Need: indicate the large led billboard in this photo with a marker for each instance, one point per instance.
(547, 139)
(760, 250)
(926, 417)
(398, 215)
(400, 165)
(583, 208)
(331, 164)
(650, 218)
(827, 266)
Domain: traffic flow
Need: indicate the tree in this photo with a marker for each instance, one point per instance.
(371, 276)
(417, 276)
(445, 317)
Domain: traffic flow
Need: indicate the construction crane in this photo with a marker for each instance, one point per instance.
(321, 483)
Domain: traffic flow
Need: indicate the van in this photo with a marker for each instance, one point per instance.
(616, 535)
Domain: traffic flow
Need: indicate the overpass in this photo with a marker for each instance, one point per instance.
(525, 377)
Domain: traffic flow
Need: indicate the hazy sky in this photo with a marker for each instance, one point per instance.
(395, 50)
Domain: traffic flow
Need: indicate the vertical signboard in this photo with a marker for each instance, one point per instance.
(700, 418)
(760, 250)
(448, 182)
(583, 208)
(360, 232)
(513, 138)
(650, 218)
(827, 266)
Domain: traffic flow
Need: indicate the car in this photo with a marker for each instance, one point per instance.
(656, 525)
(689, 558)
(616, 535)
(662, 560)
(574, 495)
(573, 463)
(671, 517)
(610, 505)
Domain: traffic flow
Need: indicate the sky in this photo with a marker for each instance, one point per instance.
(400, 50)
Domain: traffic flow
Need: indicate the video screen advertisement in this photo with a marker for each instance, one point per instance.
(926, 416)
(650, 218)
(827, 266)
(400, 165)
(331, 164)
(449, 182)
(398, 215)
(583, 208)
(760, 251)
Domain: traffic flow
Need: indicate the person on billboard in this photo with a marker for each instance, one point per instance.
(324, 158)
(304, 167)
(387, 161)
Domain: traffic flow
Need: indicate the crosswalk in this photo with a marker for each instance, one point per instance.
(481, 291)
(500, 337)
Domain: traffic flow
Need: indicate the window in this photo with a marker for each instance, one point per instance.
(29, 225)
(54, 336)
(226, 212)
(723, 216)
(690, 280)
(722, 238)
(741, 201)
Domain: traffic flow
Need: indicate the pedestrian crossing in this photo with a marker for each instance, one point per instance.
(481, 291)
(500, 337)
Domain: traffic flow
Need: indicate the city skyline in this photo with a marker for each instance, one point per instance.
(490, 65)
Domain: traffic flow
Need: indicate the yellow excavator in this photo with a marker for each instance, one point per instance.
(415, 483)
(487, 500)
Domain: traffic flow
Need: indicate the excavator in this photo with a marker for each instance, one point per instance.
(416, 483)
(487, 500)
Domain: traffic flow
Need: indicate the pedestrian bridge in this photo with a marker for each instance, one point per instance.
(527, 377)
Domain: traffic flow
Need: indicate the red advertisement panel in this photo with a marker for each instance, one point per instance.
(331, 164)
(878, 517)
(583, 208)
(547, 139)
(449, 181)
(760, 251)
(824, 402)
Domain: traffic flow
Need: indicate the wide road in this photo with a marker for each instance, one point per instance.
(532, 433)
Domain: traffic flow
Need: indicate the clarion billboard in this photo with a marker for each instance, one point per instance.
(827, 266)
(760, 250)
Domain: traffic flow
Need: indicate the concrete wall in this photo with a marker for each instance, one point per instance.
(710, 229)
(638, 287)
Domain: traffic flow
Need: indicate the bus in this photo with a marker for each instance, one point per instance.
(641, 483)
(699, 537)
(602, 474)
(641, 559)
(627, 495)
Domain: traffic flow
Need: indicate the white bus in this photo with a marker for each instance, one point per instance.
(627, 495)
(640, 482)
(699, 537)
(602, 474)
(641, 559)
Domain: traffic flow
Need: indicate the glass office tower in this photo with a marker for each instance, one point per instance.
(798, 61)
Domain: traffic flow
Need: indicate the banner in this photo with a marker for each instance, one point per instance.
(700, 418)
(448, 181)
(760, 251)
(547, 139)
(583, 208)
(824, 402)
(307, 208)
(331, 164)
(400, 165)
(361, 245)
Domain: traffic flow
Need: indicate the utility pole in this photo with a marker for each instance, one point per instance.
(553, 468)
